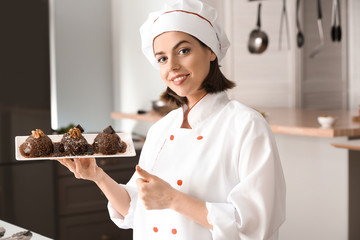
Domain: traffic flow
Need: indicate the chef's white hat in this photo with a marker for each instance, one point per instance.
(190, 16)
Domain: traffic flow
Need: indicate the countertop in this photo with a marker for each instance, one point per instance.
(304, 122)
(349, 144)
(301, 122)
(12, 229)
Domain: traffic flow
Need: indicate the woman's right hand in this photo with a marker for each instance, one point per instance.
(83, 168)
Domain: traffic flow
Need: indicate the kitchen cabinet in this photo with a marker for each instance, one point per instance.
(81, 206)
(91, 226)
(322, 181)
(26, 188)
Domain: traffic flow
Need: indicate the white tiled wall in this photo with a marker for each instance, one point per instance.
(286, 78)
(267, 79)
(354, 54)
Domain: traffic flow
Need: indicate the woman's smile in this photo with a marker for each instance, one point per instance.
(179, 79)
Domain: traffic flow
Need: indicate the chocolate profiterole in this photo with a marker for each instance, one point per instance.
(37, 145)
(73, 142)
(108, 142)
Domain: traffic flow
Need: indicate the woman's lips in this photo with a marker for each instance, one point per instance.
(179, 79)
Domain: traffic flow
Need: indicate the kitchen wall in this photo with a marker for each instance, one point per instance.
(267, 79)
(136, 82)
(81, 63)
(354, 53)
(324, 77)
(287, 77)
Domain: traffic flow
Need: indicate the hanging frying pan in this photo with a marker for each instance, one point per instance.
(258, 40)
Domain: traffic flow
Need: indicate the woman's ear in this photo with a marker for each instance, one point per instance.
(212, 56)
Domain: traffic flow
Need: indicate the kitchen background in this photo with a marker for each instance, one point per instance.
(76, 61)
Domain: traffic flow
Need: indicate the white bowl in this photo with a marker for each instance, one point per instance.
(326, 121)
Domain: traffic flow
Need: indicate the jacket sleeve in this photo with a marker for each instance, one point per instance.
(255, 207)
(128, 220)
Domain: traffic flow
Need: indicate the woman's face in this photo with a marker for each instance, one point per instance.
(184, 63)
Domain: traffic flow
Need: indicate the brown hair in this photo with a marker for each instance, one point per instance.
(213, 83)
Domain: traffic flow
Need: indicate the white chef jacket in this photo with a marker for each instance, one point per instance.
(228, 159)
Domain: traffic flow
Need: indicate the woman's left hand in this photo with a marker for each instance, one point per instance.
(153, 191)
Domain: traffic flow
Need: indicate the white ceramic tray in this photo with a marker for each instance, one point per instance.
(125, 137)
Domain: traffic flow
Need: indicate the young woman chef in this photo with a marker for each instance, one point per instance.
(209, 169)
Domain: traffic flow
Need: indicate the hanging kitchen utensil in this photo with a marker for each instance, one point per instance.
(284, 18)
(333, 31)
(300, 39)
(338, 28)
(321, 31)
(258, 40)
(336, 22)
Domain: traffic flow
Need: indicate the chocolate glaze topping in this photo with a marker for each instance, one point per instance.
(74, 143)
(109, 130)
(108, 142)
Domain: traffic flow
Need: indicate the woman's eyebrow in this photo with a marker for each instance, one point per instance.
(176, 46)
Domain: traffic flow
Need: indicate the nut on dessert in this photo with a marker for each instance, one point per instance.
(37, 133)
(75, 132)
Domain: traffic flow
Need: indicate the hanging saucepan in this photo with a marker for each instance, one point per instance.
(258, 40)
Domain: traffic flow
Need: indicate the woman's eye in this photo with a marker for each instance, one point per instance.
(161, 60)
(184, 50)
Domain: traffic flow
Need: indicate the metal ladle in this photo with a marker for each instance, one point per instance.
(258, 40)
(300, 39)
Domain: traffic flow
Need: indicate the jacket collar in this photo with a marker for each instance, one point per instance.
(210, 104)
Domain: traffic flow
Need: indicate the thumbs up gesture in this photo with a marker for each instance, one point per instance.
(154, 192)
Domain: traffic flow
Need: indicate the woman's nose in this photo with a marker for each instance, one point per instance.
(173, 64)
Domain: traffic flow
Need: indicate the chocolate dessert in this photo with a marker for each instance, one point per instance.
(73, 143)
(108, 142)
(37, 145)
